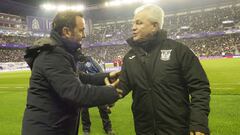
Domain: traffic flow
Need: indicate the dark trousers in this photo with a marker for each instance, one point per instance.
(86, 123)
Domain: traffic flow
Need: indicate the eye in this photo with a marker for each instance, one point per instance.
(138, 22)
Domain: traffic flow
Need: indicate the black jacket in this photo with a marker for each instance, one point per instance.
(57, 91)
(170, 89)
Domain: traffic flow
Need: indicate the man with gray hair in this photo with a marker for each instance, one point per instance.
(170, 89)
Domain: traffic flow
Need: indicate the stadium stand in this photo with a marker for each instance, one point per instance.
(11, 55)
(202, 47)
(212, 31)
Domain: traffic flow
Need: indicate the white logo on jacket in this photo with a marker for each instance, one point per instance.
(88, 64)
(165, 55)
(131, 57)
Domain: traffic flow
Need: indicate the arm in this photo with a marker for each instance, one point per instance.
(59, 73)
(124, 83)
(95, 79)
(199, 89)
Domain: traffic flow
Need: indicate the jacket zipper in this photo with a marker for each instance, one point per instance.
(151, 92)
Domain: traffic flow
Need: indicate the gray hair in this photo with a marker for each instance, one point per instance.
(156, 14)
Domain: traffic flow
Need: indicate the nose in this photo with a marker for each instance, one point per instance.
(134, 27)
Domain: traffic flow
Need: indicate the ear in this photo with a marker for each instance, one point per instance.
(66, 32)
(156, 26)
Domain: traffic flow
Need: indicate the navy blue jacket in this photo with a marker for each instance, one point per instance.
(89, 65)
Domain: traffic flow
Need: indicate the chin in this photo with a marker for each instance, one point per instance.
(135, 39)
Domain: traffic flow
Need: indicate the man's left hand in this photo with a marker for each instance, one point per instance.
(113, 84)
(114, 75)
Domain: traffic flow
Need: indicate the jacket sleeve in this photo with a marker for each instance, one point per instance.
(124, 83)
(59, 72)
(94, 79)
(199, 89)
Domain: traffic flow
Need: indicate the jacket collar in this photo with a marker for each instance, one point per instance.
(149, 44)
(49, 43)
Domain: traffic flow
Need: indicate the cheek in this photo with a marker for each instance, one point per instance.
(140, 30)
(78, 35)
(143, 32)
(148, 31)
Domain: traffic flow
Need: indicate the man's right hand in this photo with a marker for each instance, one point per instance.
(114, 84)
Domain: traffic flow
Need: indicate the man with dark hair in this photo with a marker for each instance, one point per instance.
(88, 65)
(57, 90)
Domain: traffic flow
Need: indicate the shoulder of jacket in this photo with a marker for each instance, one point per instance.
(45, 41)
(173, 44)
(56, 53)
(56, 58)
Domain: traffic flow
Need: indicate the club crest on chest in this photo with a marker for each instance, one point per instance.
(165, 55)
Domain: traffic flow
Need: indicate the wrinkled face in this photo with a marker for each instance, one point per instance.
(142, 28)
(77, 34)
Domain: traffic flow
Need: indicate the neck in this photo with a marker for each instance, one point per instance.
(66, 43)
(151, 42)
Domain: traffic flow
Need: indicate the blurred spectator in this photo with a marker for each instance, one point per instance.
(10, 39)
(11, 55)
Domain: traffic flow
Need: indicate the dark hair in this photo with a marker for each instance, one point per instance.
(65, 19)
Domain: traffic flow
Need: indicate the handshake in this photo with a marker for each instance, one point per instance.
(113, 81)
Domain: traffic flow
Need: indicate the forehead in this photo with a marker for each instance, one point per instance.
(141, 16)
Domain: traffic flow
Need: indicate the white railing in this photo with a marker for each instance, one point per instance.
(13, 66)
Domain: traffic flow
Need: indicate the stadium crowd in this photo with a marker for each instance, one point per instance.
(202, 47)
(205, 21)
(209, 20)
(11, 55)
(208, 46)
(214, 46)
(15, 39)
(106, 53)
